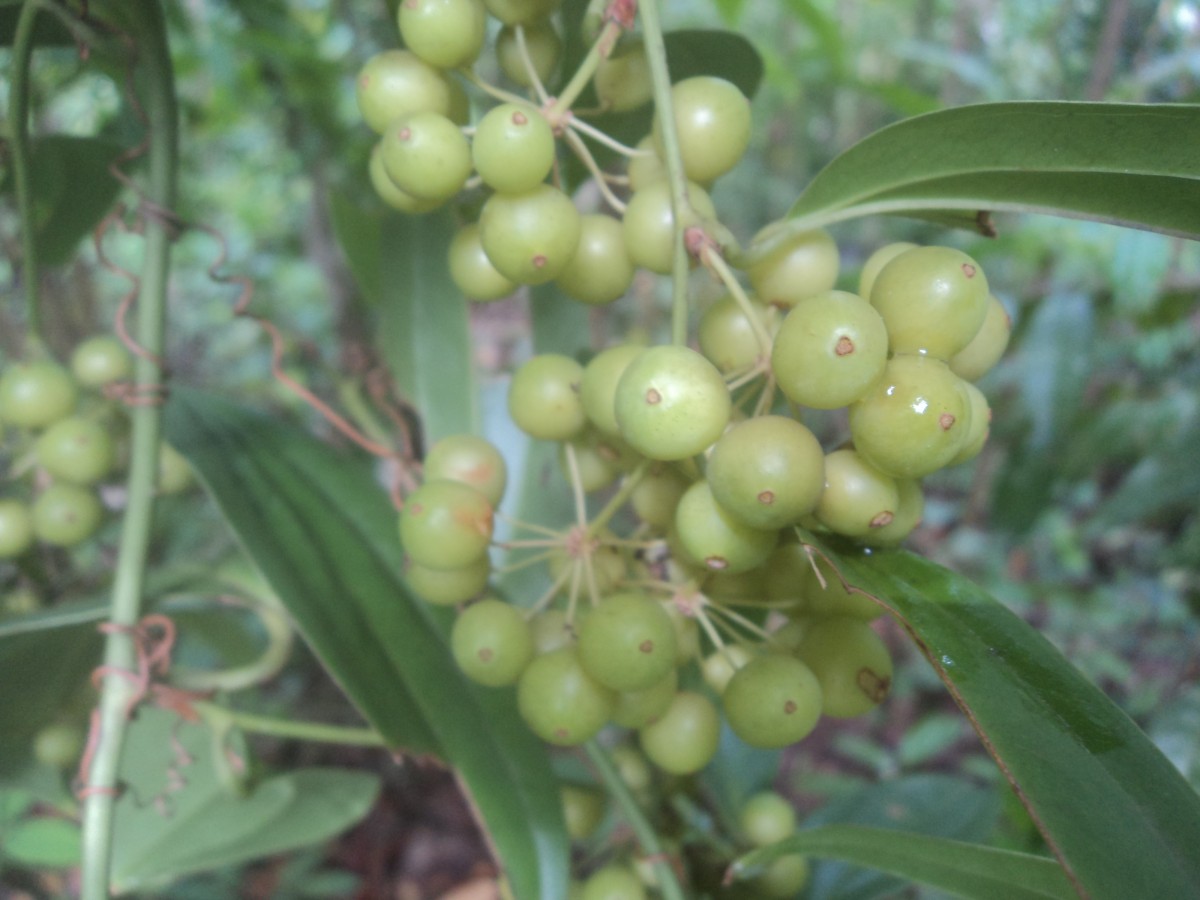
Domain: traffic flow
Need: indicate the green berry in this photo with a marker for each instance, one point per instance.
(637, 708)
(447, 34)
(671, 403)
(613, 882)
(852, 664)
(101, 360)
(767, 818)
(390, 193)
(715, 538)
(601, 270)
(66, 514)
(803, 264)
(826, 595)
(446, 525)
(976, 359)
(784, 877)
(560, 701)
(875, 263)
(447, 587)
(858, 498)
(646, 167)
(492, 643)
(712, 120)
(551, 631)
(513, 148)
(472, 271)
(174, 471)
(909, 513)
(728, 337)
(598, 388)
(395, 83)
(426, 156)
(16, 528)
(594, 463)
(59, 745)
(544, 398)
(583, 810)
(772, 701)
(979, 426)
(470, 459)
(36, 394)
(656, 496)
(543, 45)
(622, 80)
(77, 450)
(684, 738)
(627, 642)
(721, 665)
(649, 223)
(530, 237)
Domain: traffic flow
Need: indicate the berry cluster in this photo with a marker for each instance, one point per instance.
(63, 433)
(706, 603)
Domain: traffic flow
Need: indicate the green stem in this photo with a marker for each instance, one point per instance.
(600, 49)
(156, 86)
(18, 105)
(617, 500)
(221, 717)
(668, 884)
(660, 78)
(718, 266)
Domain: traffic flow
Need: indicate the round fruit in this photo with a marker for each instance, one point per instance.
(513, 148)
(649, 223)
(640, 707)
(768, 471)
(530, 237)
(446, 525)
(715, 538)
(389, 192)
(601, 270)
(77, 450)
(721, 665)
(58, 746)
(598, 388)
(728, 338)
(932, 299)
(613, 882)
(802, 265)
(101, 360)
(395, 83)
(583, 810)
(551, 631)
(684, 738)
(444, 33)
(36, 394)
(772, 701)
(470, 459)
(976, 359)
(784, 878)
(646, 167)
(914, 420)
(472, 271)
(544, 398)
(632, 767)
(16, 528)
(909, 513)
(543, 45)
(656, 496)
(979, 428)
(712, 120)
(66, 514)
(852, 664)
(593, 463)
(627, 642)
(622, 80)
(447, 587)
(426, 156)
(826, 595)
(767, 818)
(858, 498)
(875, 263)
(830, 350)
(560, 701)
(492, 643)
(671, 403)
(174, 471)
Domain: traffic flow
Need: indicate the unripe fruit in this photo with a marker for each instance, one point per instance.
(174, 471)
(671, 403)
(593, 463)
(858, 498)
(932, 299)
(979, 427)
(684, 738)
(77, 450)
(721, 665)
(627, 642)
(909, 513)
(656, 496)
(16, 528)
(802, 265)
(470, 459)
(728, 338)
(66, 514)
(645, 168)
(444, 33)
(716, 539)
(830, 350)
(530, 237)
(543, 398)
(601, 270)
(472, 271)
(583, 810)
(446, 525)
(649, 223)
(772, 701)
(767, 471)
(915, 419)
(598, 388)
(875, 263)
(426, 156)
(852, 664)
(491, 643)
(826, 595)
(622, 80)
(560, 701)
(784, 878)
(543, 45)
(712, 120)
(767, 818)
(395, 83)
(59, 745)
(390, 193)
(613, 882)
(100, 360)
(36, 394)
(513, 148)
(447, 587)
(640, 707)
(977, 358)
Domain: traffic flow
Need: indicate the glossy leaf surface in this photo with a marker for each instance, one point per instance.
(323, 532)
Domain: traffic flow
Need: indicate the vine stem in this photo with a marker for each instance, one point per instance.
(668, 883)
(18, 105)
(220, 717)
(660, 79)
(148, 29)
(599, 50)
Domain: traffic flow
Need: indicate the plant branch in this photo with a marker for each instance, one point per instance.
(220, 717)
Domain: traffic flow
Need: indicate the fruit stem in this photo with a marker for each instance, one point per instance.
(716, 264)
(222, 717)
(575, 142)
(617, 500)
(599, 50)
(157, 85)
(660, 79)
(530, 69)
(668, 883)
(18, 104)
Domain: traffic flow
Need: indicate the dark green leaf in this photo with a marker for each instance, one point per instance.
(48, 30)
(965, 870)
(1110, 805)
(323, 533)
(1129, 164)
(180, 816)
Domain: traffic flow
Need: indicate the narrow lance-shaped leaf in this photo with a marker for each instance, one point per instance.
(1129, 164)
(323, 533)
(1112, 808)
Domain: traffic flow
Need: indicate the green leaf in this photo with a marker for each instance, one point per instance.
(179, 816)
(962, 869)
(323, 532)
(1112, 808)
(42, 841)
(72, 191)
(48, 30)
(1129, 164)
(400, 265)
